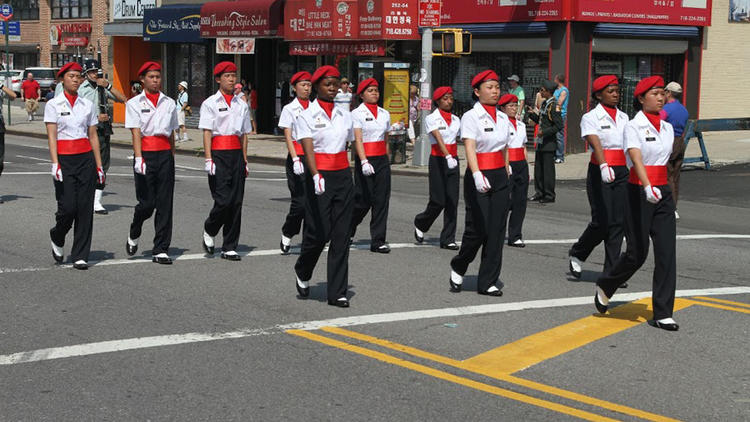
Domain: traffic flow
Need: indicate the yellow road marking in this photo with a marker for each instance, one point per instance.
(724, 307)
(452, 378)
(724, 301)
(500, 376)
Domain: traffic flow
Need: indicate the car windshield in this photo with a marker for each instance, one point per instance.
(42, 73)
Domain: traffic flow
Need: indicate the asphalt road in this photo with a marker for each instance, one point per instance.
(208, 339)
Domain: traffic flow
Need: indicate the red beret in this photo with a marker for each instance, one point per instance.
(440, 92)
(300, 76)
(325, 72)
(647, 83)
(365, 84)
(507, 98)
(148, 66)
(487, 75)
(224, 67)
(70, 66)
(604, 81)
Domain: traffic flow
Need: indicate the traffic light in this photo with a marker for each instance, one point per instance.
(455, 42)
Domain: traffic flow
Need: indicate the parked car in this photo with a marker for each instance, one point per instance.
(44, 75)
(15, 81)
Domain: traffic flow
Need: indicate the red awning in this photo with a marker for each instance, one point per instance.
(241, 18)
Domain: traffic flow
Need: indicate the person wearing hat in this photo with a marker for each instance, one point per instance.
(516, 89)
(550, 122)
(343, 98)
(323, 130)
(519, 179)
(151, 117)
(372, 167)
(295, 159)
(76, 165)
(443, 128)
(225, 121)
(182, 106)
(606, 181)
(486, 133)
(649, 213)
(677, 115)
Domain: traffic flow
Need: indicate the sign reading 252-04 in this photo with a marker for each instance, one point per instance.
(130, 9)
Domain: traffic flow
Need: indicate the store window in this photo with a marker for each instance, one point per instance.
(190, 66)
(71, 9)
(25, 9)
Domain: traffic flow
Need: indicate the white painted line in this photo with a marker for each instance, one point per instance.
(34, 158)
(178, 176)
(88, 349)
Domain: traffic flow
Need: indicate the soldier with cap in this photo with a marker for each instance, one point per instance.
(519, 179)
(550, 122)
(295, 160)
(151, 117)
(225, 121)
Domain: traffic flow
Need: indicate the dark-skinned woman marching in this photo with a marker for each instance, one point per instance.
(485, 132)
(650, 207)
(76, 165)
(443, 128)
(519, 180)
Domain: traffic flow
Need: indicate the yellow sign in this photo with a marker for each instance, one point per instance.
(396, 94)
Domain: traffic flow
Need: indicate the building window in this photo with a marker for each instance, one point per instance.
(70, 9)
(59, 59)
(25, 9)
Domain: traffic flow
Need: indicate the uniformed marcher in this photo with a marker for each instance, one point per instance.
(151, 117)
(485, 132)
(550, 122)
(76, 165)
(603, 128)
(225, 121)
(372, 167)
(323, 131)
(650, 206)
(295, 159)
(519, 180)
(443, 128)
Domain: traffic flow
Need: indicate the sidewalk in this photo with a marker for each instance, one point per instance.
(723, 147)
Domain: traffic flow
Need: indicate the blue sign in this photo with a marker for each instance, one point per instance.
(173, 23)
(15, 28)
(6, 11)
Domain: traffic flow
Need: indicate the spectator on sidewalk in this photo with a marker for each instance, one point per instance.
(182, 109)
(517, 90)
(343, 99)
(413, 112)
(30, 93)
(550, 123)
(253, 102)
(561, 97)
(677, 115)
(4, 90)
(51, 93)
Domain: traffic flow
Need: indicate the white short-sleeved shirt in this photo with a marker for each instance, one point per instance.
(289, 115)
(517, 135)
(655, 146)
(373, 128)
(343, 101)
(72, 122)
(598, 122)
(490, 135)
(449, 133)
(329, 135)
(221, 119)
(152, 121)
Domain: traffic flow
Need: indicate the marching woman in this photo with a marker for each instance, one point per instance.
(323, 131)
(372, 168)
(485, 132)
(225, 120)
(76, 165)
(650, 206)
(151, 117)
(295, 160)
(443, 128)
(603, 129)
(519, 179)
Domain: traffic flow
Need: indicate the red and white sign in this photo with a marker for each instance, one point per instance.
(400, 20)
(75, 28)
(75, 41)
(235, 46)
(238, 19)
(54, 35)
(349, 48)
(429, 13)
(481, 11)
(664, 12)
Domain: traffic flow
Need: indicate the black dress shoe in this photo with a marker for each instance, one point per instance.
(81, 266)
(380, 249)
(284, 248)
(208, 249)
(535, 197)
(547, 201)
(517, 244)
(664, 326)
(496, 293)
(303, 291)
(599, 306)
(131, 250)
(230, 257)
(340, 302)
(450, 246)
(455, 288)
(101, 212)
(417, 237)
(162, 260)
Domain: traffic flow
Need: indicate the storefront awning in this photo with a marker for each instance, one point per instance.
(178, 23)
(123, 29)
(505, 28)
(240, 18)
(646, 31)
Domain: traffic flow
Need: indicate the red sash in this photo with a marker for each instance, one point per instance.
(613, 157)
(375, 149)
(517, 154)
(331, 162)
(223, 142)
(452, 150)
(298, 148)
(657, 175)
(490, 160)
(73, 146)
(155, 143)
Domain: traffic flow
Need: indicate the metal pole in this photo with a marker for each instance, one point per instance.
(7, 61)
(422, 144)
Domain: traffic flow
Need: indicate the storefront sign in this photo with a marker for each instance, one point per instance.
(608, 67)
(396, 94)
(429, 13)
(478, 11)
(235, 46)
(75, 28)
(356, 48)
(131, 9)
(239, 18)
(400, 20)
(665, 12)
(75, 41)
(173, 24)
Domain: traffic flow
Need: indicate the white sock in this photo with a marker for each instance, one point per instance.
(666, 321)
(456, 278)
(492, 289)
(58, 249)
(420, 233)
(303, 284)
(209, 240)
(576, 264)
(232, 253)
(80, 262)
(286, 241)
(161, 255)
(132, 242)
(603, 299)
(98, 199)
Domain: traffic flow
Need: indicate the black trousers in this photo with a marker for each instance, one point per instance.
(228, 190)
(75, 203)
(643, 220)
(155, 191)
(296, 184)
(372, 193)
(544, 174)
(607, 202)
(519, 192)
(104, 152)
(486, 214)
(328, 218)
(443, 198)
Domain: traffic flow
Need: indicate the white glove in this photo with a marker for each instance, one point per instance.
(510, 169)
(210, 167)
(452, 162)
(56, 172)
(481, 182)
(608, 175)
(140, 166)
(247, 169)
(320, 184)
(100, 176)
(653, 195)
(297, 166)
(367, 168)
